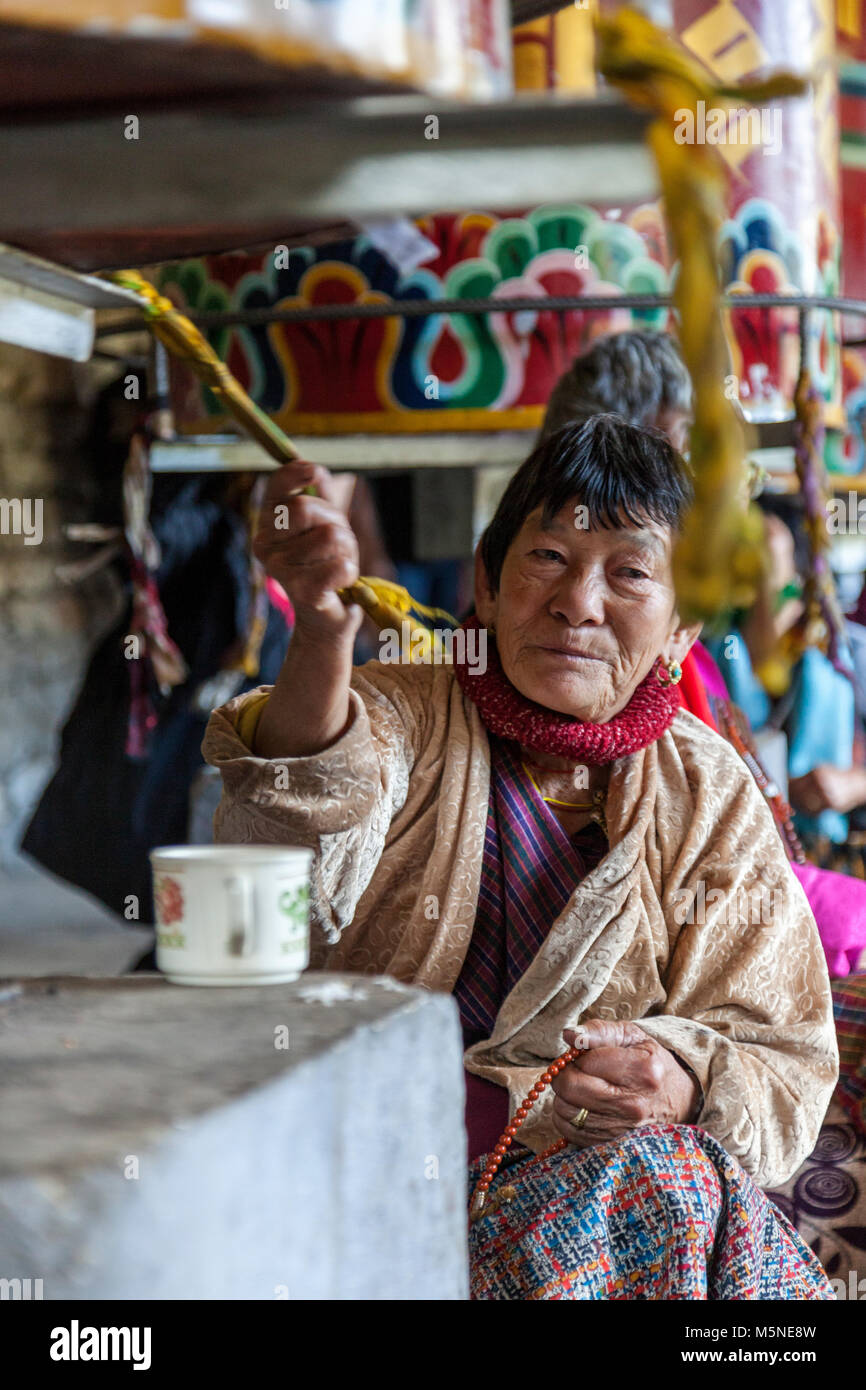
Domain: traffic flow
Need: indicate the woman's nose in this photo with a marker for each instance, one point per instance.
(579, 599)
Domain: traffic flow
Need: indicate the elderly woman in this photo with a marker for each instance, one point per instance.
(550, 838)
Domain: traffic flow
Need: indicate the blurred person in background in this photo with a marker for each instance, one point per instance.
(638, 375)
(818, 712)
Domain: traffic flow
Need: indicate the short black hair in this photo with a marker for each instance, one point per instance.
(635, 374)
(614, 469)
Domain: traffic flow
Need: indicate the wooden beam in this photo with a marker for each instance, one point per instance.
(281, 165)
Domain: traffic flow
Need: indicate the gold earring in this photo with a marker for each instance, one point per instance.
(673, 673)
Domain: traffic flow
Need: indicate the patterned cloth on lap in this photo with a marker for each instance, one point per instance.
(826, 1198)
(665, 1213)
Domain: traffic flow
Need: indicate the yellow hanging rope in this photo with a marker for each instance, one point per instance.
(719, 559)
(388, 604)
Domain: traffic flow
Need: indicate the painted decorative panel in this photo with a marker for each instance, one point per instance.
(405, 374)
(782, 236)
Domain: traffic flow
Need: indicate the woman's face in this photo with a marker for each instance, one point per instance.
(580, 615)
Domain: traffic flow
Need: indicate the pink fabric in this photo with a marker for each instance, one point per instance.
(693, 693)
(714, 681)
(839, 904)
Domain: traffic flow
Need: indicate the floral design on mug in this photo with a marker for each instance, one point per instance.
(175, 941)
(169, 899)
(296, 904)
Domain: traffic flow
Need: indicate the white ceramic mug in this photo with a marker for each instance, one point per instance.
(231, 914)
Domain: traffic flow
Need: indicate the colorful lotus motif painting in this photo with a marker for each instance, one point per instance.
(782, 235)
(761, 255)
(404, 374)
(494, 371)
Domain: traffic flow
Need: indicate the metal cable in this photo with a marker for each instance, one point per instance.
(427, 308)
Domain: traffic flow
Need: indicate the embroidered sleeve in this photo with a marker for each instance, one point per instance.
(339, 802)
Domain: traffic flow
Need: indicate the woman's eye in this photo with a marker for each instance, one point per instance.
(629, 572)
(547, 554)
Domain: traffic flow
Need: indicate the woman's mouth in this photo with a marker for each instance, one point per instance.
(572, 654)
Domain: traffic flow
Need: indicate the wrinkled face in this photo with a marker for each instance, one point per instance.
(581, 615)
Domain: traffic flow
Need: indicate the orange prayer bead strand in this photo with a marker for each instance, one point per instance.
(500, 1149)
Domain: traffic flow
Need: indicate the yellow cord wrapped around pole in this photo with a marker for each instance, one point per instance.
(719, 558)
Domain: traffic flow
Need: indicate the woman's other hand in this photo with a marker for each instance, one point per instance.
(766, 622)
(307, 544)
(781, 551)
(828, 788)
(624, 1079)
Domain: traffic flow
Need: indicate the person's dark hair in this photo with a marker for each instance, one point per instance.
(618, 472)
(636, 375)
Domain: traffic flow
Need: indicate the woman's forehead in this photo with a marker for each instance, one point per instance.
(574, 517)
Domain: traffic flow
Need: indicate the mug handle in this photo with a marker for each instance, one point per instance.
(242, 918)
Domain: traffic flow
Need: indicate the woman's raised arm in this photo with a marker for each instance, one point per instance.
(307, 544)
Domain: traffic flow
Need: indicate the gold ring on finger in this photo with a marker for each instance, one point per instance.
(580, 1117)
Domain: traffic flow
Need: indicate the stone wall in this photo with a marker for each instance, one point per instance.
(46, 628)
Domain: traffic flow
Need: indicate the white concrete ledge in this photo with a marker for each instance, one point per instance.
(330, 1168)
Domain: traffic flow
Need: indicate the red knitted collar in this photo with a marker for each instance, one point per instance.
(510, 715)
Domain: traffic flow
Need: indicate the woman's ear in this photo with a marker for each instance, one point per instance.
(485, 597)
(681, 641)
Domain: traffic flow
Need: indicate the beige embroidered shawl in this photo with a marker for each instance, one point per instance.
(396, 811)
